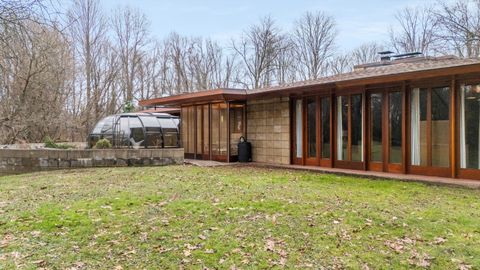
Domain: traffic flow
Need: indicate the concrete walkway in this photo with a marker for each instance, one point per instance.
(206, 163)
(474, 184)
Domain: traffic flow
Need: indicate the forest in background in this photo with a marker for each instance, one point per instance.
(64, 69)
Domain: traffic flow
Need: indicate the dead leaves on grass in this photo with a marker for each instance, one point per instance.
(276, 246)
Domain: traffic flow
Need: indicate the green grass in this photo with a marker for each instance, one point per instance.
(249, 218)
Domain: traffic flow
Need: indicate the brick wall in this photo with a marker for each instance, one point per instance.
(268, 129)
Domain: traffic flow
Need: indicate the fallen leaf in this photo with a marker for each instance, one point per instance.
(439, 240)
(270, 245)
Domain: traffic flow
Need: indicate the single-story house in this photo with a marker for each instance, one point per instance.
(417, 115)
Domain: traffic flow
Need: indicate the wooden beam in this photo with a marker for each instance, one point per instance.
(404, 127)
(453, 125)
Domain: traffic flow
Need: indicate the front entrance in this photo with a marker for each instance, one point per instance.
(386, 130)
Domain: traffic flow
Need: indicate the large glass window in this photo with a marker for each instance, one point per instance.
(215, 129)
(342, 128)
(430, 125)
(219, 129)
(206, 131)
(311, 127)
(325, 124)
(223, 129)
(376, 127)
(236, 126)
(418, 130)
(470, 126)
(350, 139)
(440, 127)
(190, 130)
(395, 127)
(198, 130)
(357, 127)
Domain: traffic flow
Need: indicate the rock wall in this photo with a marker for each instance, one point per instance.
(19, 161)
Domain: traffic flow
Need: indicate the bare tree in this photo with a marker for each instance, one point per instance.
(20, 11)
(177, 51)
(88, 28)
(416, 32)
(340, 64)
(258, 50)
(286, 63)
(314, 38)
(366, 53)
(460, 27)
(131, 37)
(32, 89)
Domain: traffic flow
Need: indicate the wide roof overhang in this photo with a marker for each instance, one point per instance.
(216, 95)
(341, 83)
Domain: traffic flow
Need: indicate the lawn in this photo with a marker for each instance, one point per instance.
(232, 218)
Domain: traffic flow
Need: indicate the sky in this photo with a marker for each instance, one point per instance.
(358, 21)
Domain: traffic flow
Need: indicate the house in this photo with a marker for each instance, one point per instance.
(414, 115)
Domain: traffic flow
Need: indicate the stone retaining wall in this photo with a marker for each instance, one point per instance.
(268, 129)
(19, 161)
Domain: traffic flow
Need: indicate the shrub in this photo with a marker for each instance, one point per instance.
(50, 143)
(103, 144)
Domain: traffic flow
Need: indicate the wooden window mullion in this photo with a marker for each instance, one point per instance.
(349, 132)
(429, 127)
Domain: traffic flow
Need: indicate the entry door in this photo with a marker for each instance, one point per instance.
(386, 130)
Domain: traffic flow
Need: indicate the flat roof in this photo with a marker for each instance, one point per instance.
(381, 72)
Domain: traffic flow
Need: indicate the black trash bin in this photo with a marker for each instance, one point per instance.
(244, 150)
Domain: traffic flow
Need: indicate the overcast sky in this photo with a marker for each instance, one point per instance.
(358, 21)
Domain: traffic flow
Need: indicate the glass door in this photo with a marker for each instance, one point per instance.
(469, 131)
(312, 138)
(429, 131)
(325, 132)
(311, 131)
(386, 128)
(349, 131)
(376, 134)
(395, 138)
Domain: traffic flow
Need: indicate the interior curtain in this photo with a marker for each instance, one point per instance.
(298, 116)
(415, 137)
(361, 141)
(339, 129)
(463, 148)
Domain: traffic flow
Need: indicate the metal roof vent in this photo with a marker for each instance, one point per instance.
(407, 55)
(385, 55)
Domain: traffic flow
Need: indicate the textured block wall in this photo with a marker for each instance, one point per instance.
(19, 160)
(268, 129)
